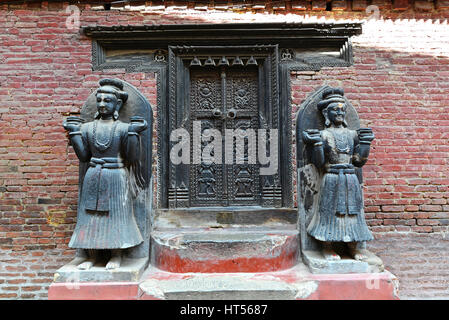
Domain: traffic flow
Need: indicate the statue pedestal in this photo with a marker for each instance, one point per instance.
(318, 264)
(296, 283)
(130, 270)
(234, 255)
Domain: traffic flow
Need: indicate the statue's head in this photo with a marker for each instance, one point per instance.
(110, 98)
(333, 107)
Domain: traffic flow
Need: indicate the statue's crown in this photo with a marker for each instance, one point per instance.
(114, 86)
(112, 82)
(331, 95)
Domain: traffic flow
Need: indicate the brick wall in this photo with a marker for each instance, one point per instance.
(398, 84)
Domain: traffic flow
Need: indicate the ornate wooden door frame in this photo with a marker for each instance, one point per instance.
(179, 61)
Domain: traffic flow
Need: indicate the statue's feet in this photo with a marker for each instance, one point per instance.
(330, 254)
(86, 265)
(114, 262)
(359, 254)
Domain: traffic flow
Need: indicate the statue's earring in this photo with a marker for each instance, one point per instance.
(327, 122)
(345, 124)
(115, 115)
(97, 115)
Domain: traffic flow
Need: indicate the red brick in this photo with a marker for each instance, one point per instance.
(427, 222)
(430, 207)
(300, 5)
(339, 5)
(318, 5)
(359, 5)
(442, 4)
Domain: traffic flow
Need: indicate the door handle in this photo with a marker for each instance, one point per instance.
(217, 113)
(232, 113)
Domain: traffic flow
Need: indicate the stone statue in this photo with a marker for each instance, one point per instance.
(111, 148)
(336, 151)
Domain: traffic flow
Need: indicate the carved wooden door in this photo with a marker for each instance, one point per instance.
(223, 100)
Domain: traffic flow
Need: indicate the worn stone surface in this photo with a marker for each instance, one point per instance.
(293, 284)
(130, 270)
(223, 217)
(224, 250)
(226, 287)
(94, 291)
(318, 264)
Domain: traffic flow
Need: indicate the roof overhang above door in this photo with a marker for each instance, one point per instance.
(283, 34)
(309, 45)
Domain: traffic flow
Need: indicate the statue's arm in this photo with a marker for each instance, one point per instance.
(313, 138)
(362, 145)
(136, 126)
(81, 149)
(79, 143)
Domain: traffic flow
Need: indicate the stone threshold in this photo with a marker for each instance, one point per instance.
(296, 283)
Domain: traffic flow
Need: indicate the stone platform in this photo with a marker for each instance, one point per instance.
(130, 270)
(224, 240)
(245, 254)
(296, 283)
(230, 250)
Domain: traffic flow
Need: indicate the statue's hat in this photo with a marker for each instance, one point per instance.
(331, 95)
(114, 86)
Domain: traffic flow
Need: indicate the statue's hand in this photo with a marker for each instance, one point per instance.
(138, 124)
(72, 124)
(311, 136)
(365, 134)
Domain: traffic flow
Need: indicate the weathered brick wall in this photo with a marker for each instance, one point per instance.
(399, 85)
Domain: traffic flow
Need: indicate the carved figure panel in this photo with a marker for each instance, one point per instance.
(224, 100)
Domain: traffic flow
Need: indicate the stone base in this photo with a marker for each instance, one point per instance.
(318, 264)
(130, 270)
(293, 284)
(230, 239)
(224, 250)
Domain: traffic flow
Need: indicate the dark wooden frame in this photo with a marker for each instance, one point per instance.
(179, 60)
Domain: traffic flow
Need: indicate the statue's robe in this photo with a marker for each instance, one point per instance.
(339, 216)
(105, 210)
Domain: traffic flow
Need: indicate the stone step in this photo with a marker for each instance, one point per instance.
(223, 217)
(212, 250)
(296, 283)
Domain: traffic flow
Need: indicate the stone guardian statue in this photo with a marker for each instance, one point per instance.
(330, 177)
(111, 149)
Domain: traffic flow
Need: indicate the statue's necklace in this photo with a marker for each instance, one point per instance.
(107, 144)
(341, 142)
